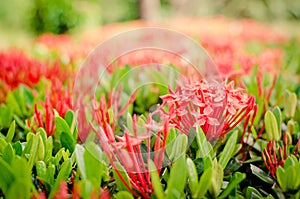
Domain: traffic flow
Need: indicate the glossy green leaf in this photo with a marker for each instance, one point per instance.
(63, 175)
(228, 150)
(50, 173)
(18, 148)
(158, 190)
(6, 175)
(272, 126)
(33, 151)
(234, 182)
(11, 132)
(49, 149)
(41, 169)
(123, 195)
(278, 116)
(290, 105)
(41, 148)
(204, 183)
(217, 179)
(67, 141)
(261, 174)
(19, 189)
(179, 147)
(192, 175)
(8, 154)
(94, 166)
(6, 116)
(177, 178)
(61, 126)
(79, 152)
(3, 144)
(251, 192)
(204, 147)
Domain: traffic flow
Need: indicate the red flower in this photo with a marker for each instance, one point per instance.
(275, 156)
(126, 150)
(44, 119)
(216, 108)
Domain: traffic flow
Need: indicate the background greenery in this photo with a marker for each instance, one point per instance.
(20, 18)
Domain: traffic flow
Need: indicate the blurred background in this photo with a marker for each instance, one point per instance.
(21, 20)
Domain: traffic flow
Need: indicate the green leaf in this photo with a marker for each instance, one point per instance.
(41, 148)
(33, 151)
(6, 116)
(205, 149)
(158, 190)
(49, 149)
(278, 116)
(228, 150)
(50, 173)
(94, 166)
(251, 192)
(178, 175)
(21, 170)
(217, 179)
(18, 148)
(282, 180)
(11, 132)
(58, 157)
(123, 195)
(65, 171)
(69, 117)
(61, 126)
(261, 174)
(43, 134)
(192, 175)
(272, 126)
(67, 141)
(170, 141)
(179, 147)
(79, 152)
(19, 189)
(8, 154)
(3, 144)
(236, 179)
(204, 183)
(63, 175)
(290, 104)
(129, 123)
(6, 175)
(13, 103)
(41, 169)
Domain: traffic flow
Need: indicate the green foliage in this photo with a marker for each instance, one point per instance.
(272, 127)
(288, 176)
(228, 150)
(56, 16)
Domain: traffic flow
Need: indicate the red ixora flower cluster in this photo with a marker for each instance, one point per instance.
(16, 68)
(125, 150)
(60, 100)
(275, 156)
(216, 108)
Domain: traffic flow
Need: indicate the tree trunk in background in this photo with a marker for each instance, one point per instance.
(150, 9)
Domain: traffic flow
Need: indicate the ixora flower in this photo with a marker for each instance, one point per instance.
(60, 100)
(274, 155)
(39, 117)
(130, 150)
(16, 68)
(216, 108)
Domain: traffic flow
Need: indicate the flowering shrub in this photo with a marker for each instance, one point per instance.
(191, 138)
